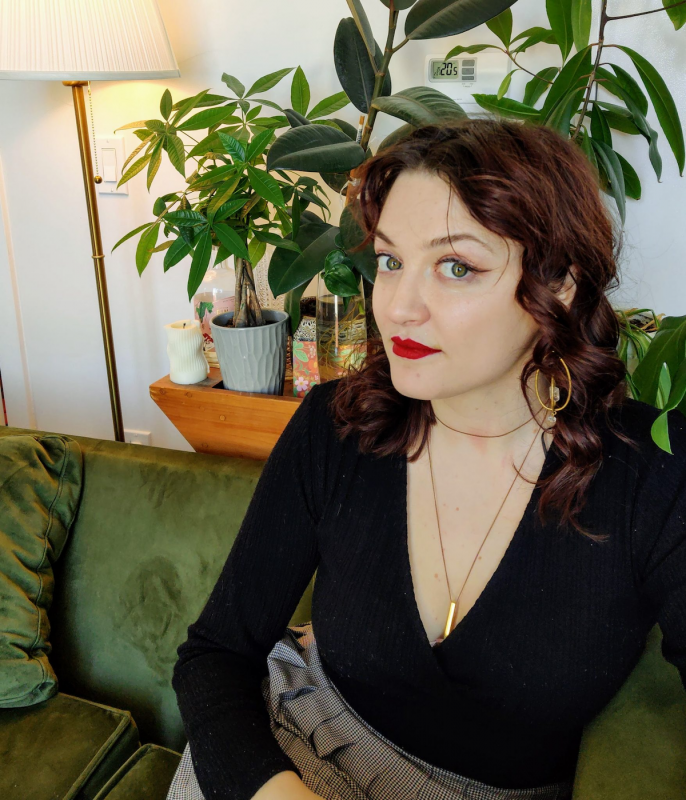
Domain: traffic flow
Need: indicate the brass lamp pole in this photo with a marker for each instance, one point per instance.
(98, 256)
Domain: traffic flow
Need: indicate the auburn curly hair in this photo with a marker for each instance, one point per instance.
(529, 184)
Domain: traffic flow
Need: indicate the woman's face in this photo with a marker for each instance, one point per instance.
(458, 299)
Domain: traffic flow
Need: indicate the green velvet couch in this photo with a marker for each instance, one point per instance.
(151, 535)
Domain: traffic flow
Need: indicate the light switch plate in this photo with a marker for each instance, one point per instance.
(111, 158)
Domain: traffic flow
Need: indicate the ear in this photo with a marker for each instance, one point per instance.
(568, 290)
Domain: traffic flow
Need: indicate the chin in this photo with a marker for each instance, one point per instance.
(411, 385)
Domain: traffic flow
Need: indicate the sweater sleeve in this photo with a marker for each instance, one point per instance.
(220, 666)
(659, 539)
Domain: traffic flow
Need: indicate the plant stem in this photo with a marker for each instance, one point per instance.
(380, 76)
(589, 87)
(642, 13)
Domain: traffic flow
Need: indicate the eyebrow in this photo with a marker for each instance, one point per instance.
(441, 240)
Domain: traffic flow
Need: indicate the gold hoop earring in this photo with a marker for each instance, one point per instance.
(555, 394)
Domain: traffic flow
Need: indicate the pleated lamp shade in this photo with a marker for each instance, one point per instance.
(84, 40)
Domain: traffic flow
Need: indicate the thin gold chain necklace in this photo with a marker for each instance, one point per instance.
(450, 625)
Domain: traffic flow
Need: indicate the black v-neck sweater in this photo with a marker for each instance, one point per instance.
(504, 698)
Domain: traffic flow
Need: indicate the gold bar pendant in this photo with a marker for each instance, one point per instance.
(449, 622)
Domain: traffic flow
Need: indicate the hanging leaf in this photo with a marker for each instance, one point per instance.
(434, 19)
(676, 12)
(365, 31)
(573, 76)
(177, 252)
(625, 81)
(560, 17)
(399, 5)
(502, 26)
(201, 261)
(506, 107)
(505, 83)
(231, 240)
(287, 272)
(663, 103)
(353, 67)
(145, 247)
(539, 84)
(277, 241)
(599, 126)
(314, 148)
(130, 234)
(608, 158)
(632, 183)
(154, 163)
(176, 153)
(234, 84)
(132, 155)
(256, 250)
(134, 169)
(539, 35)
(265, 186)
(581, 14)
(618, 118)
(471, 49)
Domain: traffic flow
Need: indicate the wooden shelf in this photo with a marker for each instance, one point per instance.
(224, 422)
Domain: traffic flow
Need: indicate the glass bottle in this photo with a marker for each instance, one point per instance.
(216, 295)
(341, 331)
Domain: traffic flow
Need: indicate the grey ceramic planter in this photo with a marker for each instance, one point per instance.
(252, 359)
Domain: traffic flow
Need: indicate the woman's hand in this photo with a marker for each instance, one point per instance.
(285, 785)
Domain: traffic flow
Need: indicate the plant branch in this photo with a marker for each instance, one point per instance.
(643, 13)
(380, 77)
(592, 78)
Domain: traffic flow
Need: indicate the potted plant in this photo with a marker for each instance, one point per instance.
(232, 204)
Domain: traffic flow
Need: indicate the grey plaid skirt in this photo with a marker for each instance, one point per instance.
(338, 754)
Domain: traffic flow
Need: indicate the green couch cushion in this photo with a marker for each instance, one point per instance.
(147, 775)
(65, 748)
(635, 748)
(40, 487)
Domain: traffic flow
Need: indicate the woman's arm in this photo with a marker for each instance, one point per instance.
(218, 675)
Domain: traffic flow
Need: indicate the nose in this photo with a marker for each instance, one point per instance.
(405, 303)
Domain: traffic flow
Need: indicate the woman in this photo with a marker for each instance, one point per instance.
(494, 531)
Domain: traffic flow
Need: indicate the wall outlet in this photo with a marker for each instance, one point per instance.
(137, 437)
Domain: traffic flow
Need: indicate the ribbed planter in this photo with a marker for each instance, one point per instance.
(252, 359)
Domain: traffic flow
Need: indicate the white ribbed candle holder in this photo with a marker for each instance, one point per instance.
(187, 362)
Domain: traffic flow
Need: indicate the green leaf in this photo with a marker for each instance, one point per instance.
(600, 129)
(287, 272)
(130, 234)
(339, 277)
(135, 152)
(434, 19)
(538, 85)
(539, 35)
(291, 305)
(571, 77)
(145, 247)
(295, 215)
(234, 84)
(232, 146)
(177, 252)
(222, 195)
(502, 26)
(472, 48)
(256, 250)
(560, 18)
(618, 117)
(613, 169)
(314, 148)
(166, 104)
(176, 153)
(667, 347)
(134, 169)
(353, 67)
(677, 14)
(365, 31)
(632, 183)
(624, 81)
(206, 119)
(231, 240)
(506, 107)
(201, 261)
(259, 144)
(352, 236)
(329, 105)
(663, 103)
(300, 92)
(277, 241)
(399, 5)
(420, 105)
(262, 84)
(265, 186)
(185, 216)
(139, 124)
(581, 14)
(505, 83)
(188, 104)
(155, 161)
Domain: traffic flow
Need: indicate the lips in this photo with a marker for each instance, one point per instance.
(408, 348)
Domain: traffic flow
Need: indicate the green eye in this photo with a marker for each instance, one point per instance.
(393, 263)
(459, 268)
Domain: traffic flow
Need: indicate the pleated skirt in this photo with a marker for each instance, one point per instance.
(338, 754)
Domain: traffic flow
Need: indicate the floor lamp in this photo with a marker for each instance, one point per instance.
(78, 41)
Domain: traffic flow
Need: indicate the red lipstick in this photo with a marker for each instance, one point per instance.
(408, 348)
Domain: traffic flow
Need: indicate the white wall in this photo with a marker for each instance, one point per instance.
(51, 352)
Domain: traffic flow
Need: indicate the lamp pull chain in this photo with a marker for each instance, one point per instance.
(97, 178)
